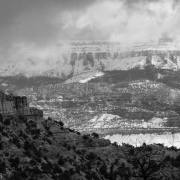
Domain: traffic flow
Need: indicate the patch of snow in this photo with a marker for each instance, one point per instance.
(91, 77)
(126, 63)
(4, 84)
(167, 139)
(85, 77)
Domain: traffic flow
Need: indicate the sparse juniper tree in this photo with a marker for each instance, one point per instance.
(149, 163)
(1, 118)
(2, 101)
(95, 135)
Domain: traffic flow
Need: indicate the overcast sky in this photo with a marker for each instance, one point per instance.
(45, 22)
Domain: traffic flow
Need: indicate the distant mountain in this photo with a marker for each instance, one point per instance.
(92, 57)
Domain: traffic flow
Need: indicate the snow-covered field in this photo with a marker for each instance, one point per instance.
(167, 139)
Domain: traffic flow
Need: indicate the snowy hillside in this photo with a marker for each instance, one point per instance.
(81, 58)
(168, 139)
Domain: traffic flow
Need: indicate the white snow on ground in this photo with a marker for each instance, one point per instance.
(132, 62)
(113, 121)
(167, 139)
(126, 63)
(4, 84)
(157, 61)
(103, 117)
(157, 121)
(91, 77)
(85, 77)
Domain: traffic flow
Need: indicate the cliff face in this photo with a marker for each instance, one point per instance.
(16, 105)
(86, 57)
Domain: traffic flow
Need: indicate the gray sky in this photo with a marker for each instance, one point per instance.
(45, 22)
(36, 21)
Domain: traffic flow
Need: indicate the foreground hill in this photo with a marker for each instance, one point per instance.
(44, 149)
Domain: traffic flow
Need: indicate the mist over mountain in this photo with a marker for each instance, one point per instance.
(43, 24)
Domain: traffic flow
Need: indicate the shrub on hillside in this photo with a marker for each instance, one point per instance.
(27, 145)
(1, 145)
(50, 133)
(71, 130)
(47, 128)
(7, 121)
(176, 162)
(49, 141)
(103, 170)
(61, 160)
(1, 118)
(95, 135)
(61, 123)
(23, 118)
(85, 137)
(16, 141)
(2, 166)
(91, 156)
(49, 119)
(4, 133)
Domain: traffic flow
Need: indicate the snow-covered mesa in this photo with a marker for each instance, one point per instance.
(167, 139)
(60, 62)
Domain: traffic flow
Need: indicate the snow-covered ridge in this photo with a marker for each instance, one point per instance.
(76, 60)
(168, 139)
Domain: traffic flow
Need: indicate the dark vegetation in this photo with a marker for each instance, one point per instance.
(44, 149)
(150, 72)
(23, 81)
(117, 76)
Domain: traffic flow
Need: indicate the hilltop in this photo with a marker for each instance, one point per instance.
(38, 148)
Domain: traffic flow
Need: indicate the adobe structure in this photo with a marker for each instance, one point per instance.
(17, 105)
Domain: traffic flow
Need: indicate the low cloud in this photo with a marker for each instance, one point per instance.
(128, 21)
(41, 24)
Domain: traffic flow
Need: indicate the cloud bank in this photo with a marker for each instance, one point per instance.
(43, 23)
(127, 21)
